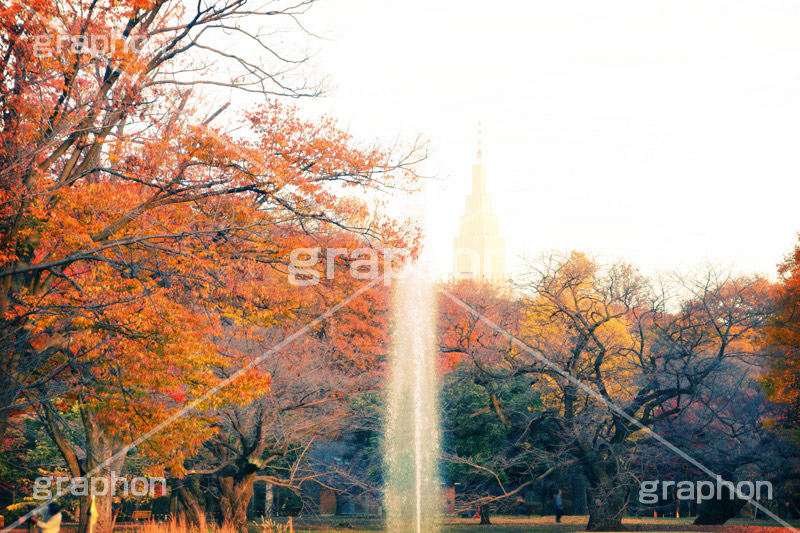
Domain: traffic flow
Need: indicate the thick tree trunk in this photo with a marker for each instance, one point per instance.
(188, 505)
(721, 509)
(98, 469)
(103, 501)
(105, 516)
(718, 511)
(269, 501)
(235, 492)
(83, 513)
(483, 510)
(102, 458)
(579, 504)
(606, 509)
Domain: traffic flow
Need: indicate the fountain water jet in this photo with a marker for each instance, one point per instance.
(412, 491)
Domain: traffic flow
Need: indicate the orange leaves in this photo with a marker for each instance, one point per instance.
(465, 336)
(141, 243)
(307, 155)
(782, 340)
(147, 272)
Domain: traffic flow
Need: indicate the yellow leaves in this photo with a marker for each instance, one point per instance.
(577, 318)
(82, 323)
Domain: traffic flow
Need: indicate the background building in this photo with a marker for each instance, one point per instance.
(479, 252)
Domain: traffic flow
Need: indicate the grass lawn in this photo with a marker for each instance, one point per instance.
(500, 524)
(506, 524)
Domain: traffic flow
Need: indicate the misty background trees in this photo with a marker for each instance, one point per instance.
(613, 356)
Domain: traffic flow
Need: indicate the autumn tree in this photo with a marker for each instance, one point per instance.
(315, 383)
(487, 448)
(481, 438)
(136, 235)
(641, 351)
(613, 354)
(782, 382)
(727, 428)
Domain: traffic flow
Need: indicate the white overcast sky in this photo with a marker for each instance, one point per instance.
(667, 133)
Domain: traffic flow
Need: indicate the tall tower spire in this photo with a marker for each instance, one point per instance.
(479, 250)
(480, 140)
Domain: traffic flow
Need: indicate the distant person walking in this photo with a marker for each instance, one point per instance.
(558, 504)
(50, 520)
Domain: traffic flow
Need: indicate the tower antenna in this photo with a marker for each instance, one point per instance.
(480, 141)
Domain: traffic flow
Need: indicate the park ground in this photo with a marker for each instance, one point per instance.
(546, 524)
(500, 524)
